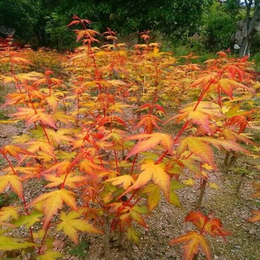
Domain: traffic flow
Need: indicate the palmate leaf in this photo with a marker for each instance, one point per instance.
(14, 181)
(227, 86)
(200, 147)
(14, 151)
(197, 218)
(207, 224)
(174, 199)
(205, 80)
(228, 145)
(8, 212)
(41, 146)
(70, 224)
(154, 195)
(29, 172)
(193, 243)
(9, 244)
(125, 180)
(59, 168)
(214, 228)
(201, 116)
(135, 214)
(148, 122)
(53, 201)
(133, 235)
(53, 102)
(71, 180)
(31, 115)
(60, 136)
(29, 220)
(155, 172)
(150, 142)
(228, 134)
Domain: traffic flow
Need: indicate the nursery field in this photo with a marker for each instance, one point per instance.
(118, 152)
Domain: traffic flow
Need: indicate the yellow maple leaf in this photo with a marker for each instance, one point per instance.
(188, 182)
(194, 242)
(8, 212)
(126, 180)
(71, 180)
(155, 172)
(53, 201)
(70, 224)
(213, 185)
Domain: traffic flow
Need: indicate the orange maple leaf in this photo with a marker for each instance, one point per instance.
(197, 218)
(194, 241)
(15, 151)
(60, 168)
(14, 181)
(31, 115)
(227, 86)
(208, 224)
(201, 116)
(152, 140)
(149, 122)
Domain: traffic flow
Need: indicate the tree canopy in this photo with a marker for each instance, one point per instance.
(44, 22)
(47, 20)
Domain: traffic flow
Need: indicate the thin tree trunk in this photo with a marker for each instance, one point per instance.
(244, 50)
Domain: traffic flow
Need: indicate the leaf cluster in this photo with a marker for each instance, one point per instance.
(96, 141)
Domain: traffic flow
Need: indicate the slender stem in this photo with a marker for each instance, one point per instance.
(45, 133)
(133, 165)
(44, 237)
(69, 169)
(129, 200)
(203, 93)
(181, 131)
(202, 191)
(9, 162)
(159, 160)
(27, 213)
(116, 159)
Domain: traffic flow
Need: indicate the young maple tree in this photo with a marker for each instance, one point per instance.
(97, 146)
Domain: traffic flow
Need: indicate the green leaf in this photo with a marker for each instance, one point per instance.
(29, 220)
(154, 198)
(174, 200)
(9, 243)
(133, 235)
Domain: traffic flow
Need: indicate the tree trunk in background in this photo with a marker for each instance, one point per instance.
(249, 30)
(245, 46)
